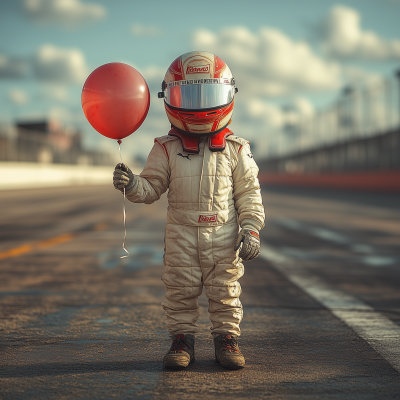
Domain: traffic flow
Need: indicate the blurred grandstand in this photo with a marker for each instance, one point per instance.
(47, 141)
(359, 132)
(353, 144)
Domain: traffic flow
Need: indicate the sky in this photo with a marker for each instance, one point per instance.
(282, 53)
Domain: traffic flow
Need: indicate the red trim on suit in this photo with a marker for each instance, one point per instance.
(190, 144)
(164, 147)
(218, 142)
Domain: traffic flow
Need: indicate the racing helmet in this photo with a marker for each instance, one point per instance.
(198, 91)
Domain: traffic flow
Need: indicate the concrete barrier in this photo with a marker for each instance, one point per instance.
(34, 175)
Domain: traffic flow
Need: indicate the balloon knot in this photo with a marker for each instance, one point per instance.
(119, 141)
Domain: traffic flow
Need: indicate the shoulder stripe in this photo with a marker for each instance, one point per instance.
(164, 147)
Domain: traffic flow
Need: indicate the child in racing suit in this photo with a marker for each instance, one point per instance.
(212, 190)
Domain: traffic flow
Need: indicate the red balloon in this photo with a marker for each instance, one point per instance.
(115, 100)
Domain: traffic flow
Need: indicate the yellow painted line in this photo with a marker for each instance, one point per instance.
(57, 240)
(100, 227)
(27, 248)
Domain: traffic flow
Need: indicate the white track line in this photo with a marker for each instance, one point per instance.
(380, 332)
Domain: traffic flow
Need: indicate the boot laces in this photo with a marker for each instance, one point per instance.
(178, 344)
(229, 343)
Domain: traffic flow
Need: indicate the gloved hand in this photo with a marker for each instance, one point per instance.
(250, 242)
(123, 177)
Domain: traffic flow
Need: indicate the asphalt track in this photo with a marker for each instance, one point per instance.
(321, 306)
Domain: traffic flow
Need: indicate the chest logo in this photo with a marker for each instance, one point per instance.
(180, 154)
(208, 218)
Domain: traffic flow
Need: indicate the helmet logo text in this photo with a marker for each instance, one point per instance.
(201, 69)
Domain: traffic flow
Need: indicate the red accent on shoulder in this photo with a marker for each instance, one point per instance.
(164, 147)
(218, 141)
(190, 144)
(240, 148)
(255, 234)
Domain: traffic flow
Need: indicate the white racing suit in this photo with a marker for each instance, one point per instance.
(209, 194)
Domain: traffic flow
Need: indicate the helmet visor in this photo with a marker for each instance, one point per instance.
(199, 96)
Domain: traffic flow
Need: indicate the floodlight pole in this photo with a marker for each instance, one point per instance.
(398, 79)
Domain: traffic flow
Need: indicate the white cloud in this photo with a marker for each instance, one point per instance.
(17, 96)
(55, 64)
(55, 92)
(341, 36)
(269, 62)
(272, 116)
(12, 67)
(304, 107)
(145, 30)
(154, 76)
(358, 77)
(50, 64)
(58, 93)
(154, 73)
(269, 114)
(61, 114)
(67, 13)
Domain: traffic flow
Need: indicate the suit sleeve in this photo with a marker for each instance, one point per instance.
(246, 189)
(154, 179)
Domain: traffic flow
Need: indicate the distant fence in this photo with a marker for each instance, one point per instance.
(29, 146)
(359, 113)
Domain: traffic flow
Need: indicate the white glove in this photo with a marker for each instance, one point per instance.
(123, 177)
(250, 242)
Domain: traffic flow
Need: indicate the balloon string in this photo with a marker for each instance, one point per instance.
(123, 208)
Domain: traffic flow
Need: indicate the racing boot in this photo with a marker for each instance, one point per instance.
(181, 353)
(227, 352)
